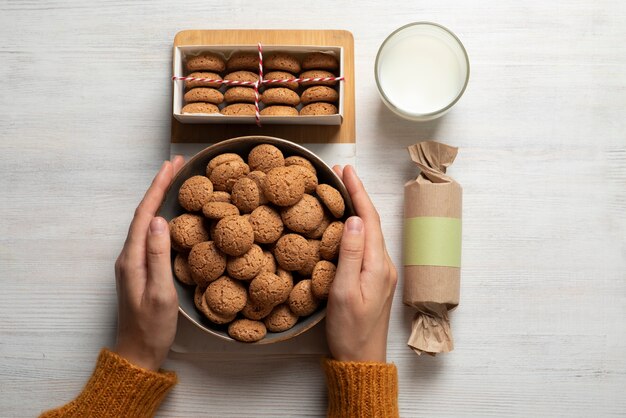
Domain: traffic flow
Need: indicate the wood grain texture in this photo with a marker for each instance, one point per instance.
(344, 133)
(85, 123)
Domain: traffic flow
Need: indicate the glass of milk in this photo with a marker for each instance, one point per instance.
(421, 71)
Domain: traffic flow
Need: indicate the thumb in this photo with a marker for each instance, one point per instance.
(350, 255)
(158, 254)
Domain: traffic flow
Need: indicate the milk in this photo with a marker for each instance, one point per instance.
(421, 70)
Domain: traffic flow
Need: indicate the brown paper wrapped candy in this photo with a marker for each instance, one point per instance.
(432, 247)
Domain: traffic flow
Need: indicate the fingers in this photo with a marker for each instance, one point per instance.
(339, 171)
(135, 243)
(350, 256)
(158, 255)
(178, 162)
(363, 206)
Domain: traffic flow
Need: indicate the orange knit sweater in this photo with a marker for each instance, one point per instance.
(119, 389)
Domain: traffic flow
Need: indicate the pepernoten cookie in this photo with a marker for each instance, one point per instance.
(309, 177)
(239, 109)
(307, 270)
(242, 76)
(186, 231)
(204, 94)
(246, 330)
(281, 75)
(280, 96)
(279, 110)
(221, 159)
(239, 94)
(320, 61)
(218, 196)
(234, 235)
(259, 179)
(195, 192)
(243, 61)
(206, 62)
(292, 252)
(182, 270)
(301, 161)
(226, 296)
(264, 157)
(197, 83)
(206, 263)
(305, 216)
(255, 311)
(322, 278)
(200, 302)
(200, 107)
(219, 210)
(317, 74)
(318, 109)
(225, 175)
(269, 289)
(331, 239)
(332, 199)
(319, 94)
(248, 265)
(302, 301)
(281, 61)
(280, 319)
(284, 186)
(266, 224)
(246, 195)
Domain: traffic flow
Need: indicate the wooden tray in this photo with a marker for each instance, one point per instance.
(204, 133)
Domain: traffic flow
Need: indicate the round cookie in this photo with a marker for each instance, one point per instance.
(284, 274)
(304, 216)
(259, 179)
(281, 61)
(182, 270)
(317, 74)
(248, 265)
(301, 161)
(234, 235)
(195, 192)
(320, 61)
(269, 289)
(332, 199)
(264, 157)
(281, 75)
(302, 302)
(187, 230)
(204, 94)
(254, 311)
(319, 94)
(243, 61)
(279, 110)
(280, 319)
(270, 262)
(219, 210)
(200, 107)
(322, 278)
(280, 96)
(317, 232)
(292, 252)
(239, 94)
(197, 83)
(211, 315)
(221, 159)
(318, 109)
(242, 76)
(239, 109)
(206, 263)
(246, 330)
(331, 239)
(307, 270)
(246, 195)
(310, 179)
(225, 175)
(226, 296)
(218, 196)
(207, 62)
(284, 186)
(266, 224)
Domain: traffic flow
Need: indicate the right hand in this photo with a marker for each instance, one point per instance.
(360, 298)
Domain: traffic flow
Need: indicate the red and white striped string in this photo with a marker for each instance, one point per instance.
(257, 84)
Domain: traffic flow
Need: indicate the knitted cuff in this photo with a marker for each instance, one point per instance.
(361, 389)
(118, 388)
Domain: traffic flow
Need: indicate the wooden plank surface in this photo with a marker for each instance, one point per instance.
(344, 133)
(85, 123)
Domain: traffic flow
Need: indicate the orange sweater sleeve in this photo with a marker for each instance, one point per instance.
(117, 388)
(361, 389)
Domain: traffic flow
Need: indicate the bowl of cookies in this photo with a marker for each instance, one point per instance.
(255, 225)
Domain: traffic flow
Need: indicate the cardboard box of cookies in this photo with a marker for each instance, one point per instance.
(215, 84)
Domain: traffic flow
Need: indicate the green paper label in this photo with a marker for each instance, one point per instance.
(432, 241)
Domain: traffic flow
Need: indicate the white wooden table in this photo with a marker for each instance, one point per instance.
(84, 125)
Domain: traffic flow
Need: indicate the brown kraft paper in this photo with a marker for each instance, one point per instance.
(431, 284)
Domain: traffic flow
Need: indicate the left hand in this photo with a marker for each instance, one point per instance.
(147, 300)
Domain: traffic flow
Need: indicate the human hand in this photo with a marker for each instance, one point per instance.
(360, 298)
(147, 300)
